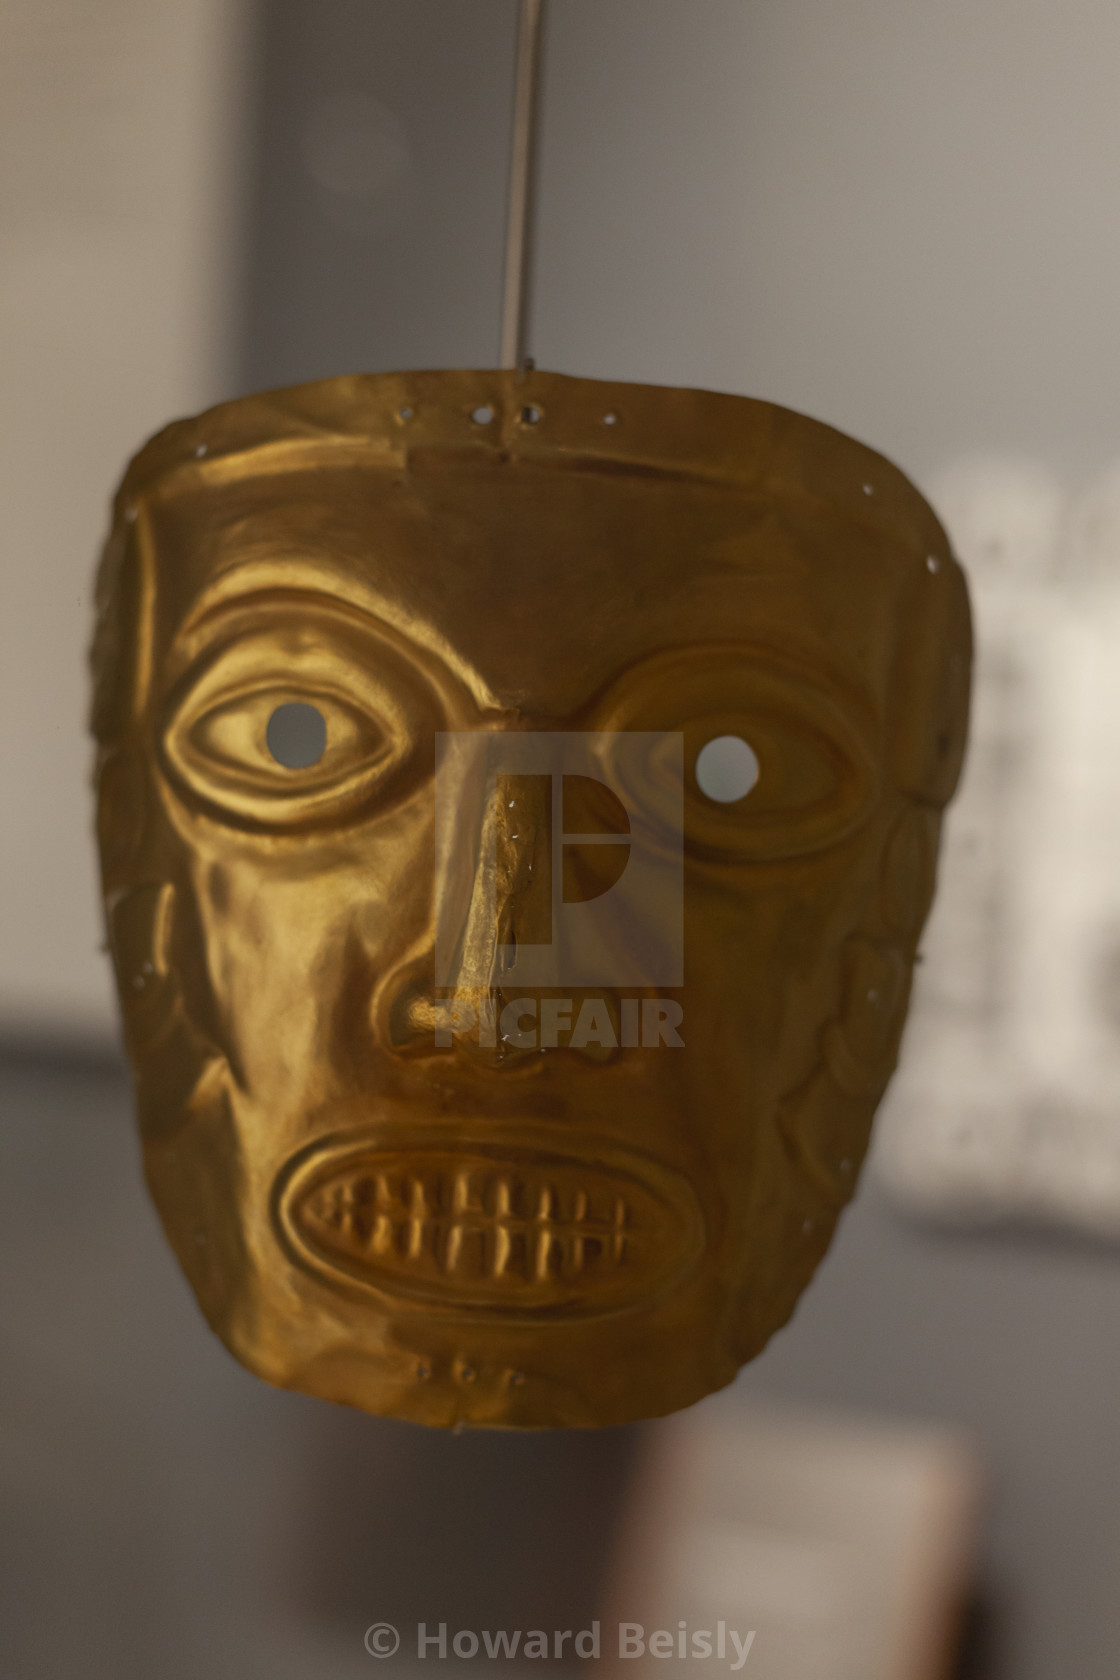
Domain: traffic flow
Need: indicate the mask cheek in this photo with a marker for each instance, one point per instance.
(171, 1057)
(910, 870)
(827, 1133)
(140, 920)
(122, 808)
(860, 1049)
(826, 1121)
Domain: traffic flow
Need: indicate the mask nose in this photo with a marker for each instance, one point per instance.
(499, 895)
(510, 906)
(541, 844)
(511, 896)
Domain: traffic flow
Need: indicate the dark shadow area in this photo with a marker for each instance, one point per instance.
(476, 1530)
(978, 1657)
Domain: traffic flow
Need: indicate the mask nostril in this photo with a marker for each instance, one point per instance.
(297, 735)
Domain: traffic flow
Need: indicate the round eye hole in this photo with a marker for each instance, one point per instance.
(297, 735)
(726, 769)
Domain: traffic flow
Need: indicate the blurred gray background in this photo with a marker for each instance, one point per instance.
(899, 216)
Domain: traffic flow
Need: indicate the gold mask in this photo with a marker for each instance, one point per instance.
(495, 1064)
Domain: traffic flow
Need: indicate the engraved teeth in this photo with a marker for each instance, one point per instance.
(462, 1223)
(542, 1253)
(621, 1220)
(501, 1249)
(418, 1213)
(461, 1195)
(452, 1248)
(473, 1224)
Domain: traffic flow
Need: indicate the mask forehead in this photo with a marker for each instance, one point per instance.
(538, 584)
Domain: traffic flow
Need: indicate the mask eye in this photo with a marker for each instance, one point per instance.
(296, 735)
(294, 726)
(286, 738)
(775, 765)
(726, 769)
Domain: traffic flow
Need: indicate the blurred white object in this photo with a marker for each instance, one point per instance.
(356, 151)
(1004, 515)
(1007, 1103)
(1092, 539)
(119, 163)
(844, 1546)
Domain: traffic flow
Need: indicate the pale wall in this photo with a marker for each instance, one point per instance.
(120, 147)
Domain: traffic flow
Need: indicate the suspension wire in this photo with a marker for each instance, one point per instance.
(522, 180)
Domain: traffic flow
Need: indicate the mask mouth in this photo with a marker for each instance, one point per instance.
(504, 1228)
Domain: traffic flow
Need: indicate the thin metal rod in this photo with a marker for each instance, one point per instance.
(519, 227)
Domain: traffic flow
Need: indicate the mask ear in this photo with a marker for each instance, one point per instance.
(928, 719)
